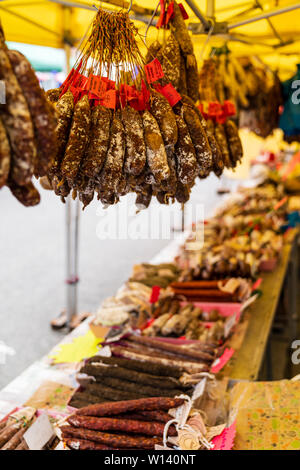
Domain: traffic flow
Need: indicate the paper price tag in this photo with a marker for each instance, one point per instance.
(40, 433)
(222, 361)
(110, 99)
(154, 71)
(171, 94)
(185, 16)
(170, 12)
(154, 294)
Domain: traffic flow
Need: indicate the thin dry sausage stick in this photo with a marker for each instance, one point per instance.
(135, 154)
(27, 195)
(143, 404)
(13, 443)
(171, 347)
(99, 142)
(122, 425)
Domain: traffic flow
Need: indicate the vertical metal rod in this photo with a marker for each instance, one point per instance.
(182, 218)
(72, 237)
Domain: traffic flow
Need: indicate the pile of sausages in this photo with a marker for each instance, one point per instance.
(27, 127)
(133, 424)
(142, 367)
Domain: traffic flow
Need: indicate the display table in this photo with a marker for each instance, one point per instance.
(244, 365)
(247, 362)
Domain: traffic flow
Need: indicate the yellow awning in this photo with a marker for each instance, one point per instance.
(54, 22)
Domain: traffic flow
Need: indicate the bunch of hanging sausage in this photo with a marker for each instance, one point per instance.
(158, 152)
(27, 127)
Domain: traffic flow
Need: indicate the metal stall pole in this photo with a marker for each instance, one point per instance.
(72, 235)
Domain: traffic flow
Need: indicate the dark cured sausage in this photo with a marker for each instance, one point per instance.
(27, 195)
(160, 416)
(141, 366)
(143, 404)
(116, 441)
(42, 114)
(125, 425)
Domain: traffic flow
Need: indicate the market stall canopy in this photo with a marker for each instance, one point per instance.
(277, 38)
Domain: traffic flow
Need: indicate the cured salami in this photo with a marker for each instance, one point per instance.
(199, 139)
(163, 113)
(27, 195)
(78, 140)
(144, 404)
(113, 167)
(125, 425)
(218, 164)
(156, 154)
(99, 142)
(53, 95)
(185, 154)
(222, 141)
(17, 121)
(234, 142)
(64, 109)
(171, 61)
(192, 77)
(135, 153)
(182, 194)
(180, 31)
(4, 155)
(42, 114)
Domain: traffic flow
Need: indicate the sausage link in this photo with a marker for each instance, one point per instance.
(142, 404)
(114, 440)
(124, 425)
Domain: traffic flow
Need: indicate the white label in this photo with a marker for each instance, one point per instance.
(229, 324)
(40, 433)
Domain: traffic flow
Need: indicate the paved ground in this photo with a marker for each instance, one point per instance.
(32, 269)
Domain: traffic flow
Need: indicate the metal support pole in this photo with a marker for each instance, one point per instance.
(72, 233)
(198, 13)
(264, 16)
